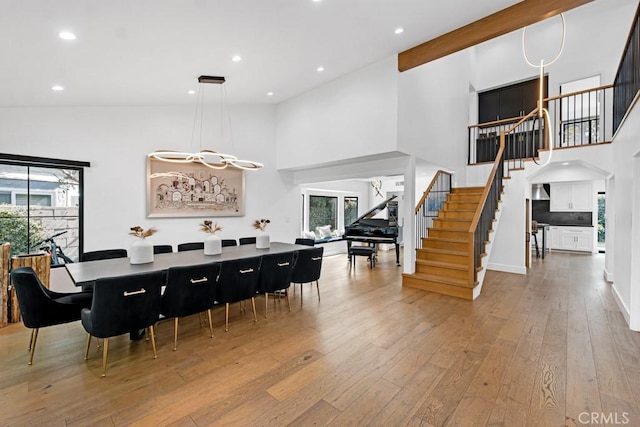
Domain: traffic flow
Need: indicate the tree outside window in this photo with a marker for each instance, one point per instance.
(323, 210)
(350, 210)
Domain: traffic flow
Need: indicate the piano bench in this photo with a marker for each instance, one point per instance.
(368, 251)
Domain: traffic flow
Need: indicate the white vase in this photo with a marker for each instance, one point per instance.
(262, 240)
(212, 245)
(141, 252)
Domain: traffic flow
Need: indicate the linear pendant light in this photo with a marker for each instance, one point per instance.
(208, 158)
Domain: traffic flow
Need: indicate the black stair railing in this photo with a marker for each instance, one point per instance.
(627, 81)
(430, 203)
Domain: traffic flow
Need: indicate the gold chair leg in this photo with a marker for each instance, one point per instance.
(33, 331)
(253, 303)
(32, 347)
(286, 294)
(86, 350)
(300, 294)
(266, 303)
(152, 333)
(210, 322)
(105, 350)
(318, 288)
(226, 317)
(175, 334)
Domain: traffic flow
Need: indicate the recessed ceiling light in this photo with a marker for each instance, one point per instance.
(269, 93)
(316, 1)
(57, 88)
(191, 92)
(565, 163)
(320, 69)
(66, 35)
(399, 30)
(236, 58)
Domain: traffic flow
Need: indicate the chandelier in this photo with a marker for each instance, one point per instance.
(208, 158)
(543, 114)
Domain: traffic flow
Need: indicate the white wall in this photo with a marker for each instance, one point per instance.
(508, 252)
(350, 117)
(433, 110)
(626, 269)
(116, 141)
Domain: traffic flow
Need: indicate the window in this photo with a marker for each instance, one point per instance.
(34, 200)
(39, 198)
(580, 114)
(323, 210)
(350, 210)
(602, 202)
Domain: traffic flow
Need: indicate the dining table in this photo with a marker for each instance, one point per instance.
(90, 271)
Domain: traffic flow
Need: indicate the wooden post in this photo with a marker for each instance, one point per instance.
(41, 264)
(5, 251)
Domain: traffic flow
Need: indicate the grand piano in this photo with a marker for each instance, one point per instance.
(376, 230)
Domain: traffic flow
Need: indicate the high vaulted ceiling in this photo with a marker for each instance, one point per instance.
(150, 52)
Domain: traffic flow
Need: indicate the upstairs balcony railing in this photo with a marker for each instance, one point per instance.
(627, 81)
(578, 119)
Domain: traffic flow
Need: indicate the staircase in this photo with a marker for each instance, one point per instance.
(443, 263)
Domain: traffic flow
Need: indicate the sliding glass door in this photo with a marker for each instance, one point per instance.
(39, 201)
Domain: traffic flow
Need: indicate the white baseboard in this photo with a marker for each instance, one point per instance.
(507, 268)
(621, 305)
(608, 276)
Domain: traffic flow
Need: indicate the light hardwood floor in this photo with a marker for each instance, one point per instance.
(534, 350)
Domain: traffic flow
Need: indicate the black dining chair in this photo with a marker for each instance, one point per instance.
(307, 268)
(190, 289)
(247, 240)
(238, 281)
(306, 242)
(162, 249)
(275, 276)
(229, 242)
(100, 255)
(190, 246)
(120, 305)
(41, 307)
(103, 254)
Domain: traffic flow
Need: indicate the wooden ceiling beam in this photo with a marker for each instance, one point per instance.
(519, 15)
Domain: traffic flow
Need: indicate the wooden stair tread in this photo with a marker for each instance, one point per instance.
(443, 251)
(449, 229)
(442, 264)
(446, 239)
(466, 189)
(442, 279)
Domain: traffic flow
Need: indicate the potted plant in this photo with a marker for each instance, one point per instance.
(141, 251)
(212, 243)
(262, 239)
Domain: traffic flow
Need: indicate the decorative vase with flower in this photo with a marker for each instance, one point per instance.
(141, 250)
(212, 243)
(262, 238)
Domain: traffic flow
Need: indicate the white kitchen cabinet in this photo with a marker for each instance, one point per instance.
(571, 197)
(554, 237)
(575, 239)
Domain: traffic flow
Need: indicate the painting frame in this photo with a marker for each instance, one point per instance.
(181, 190)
